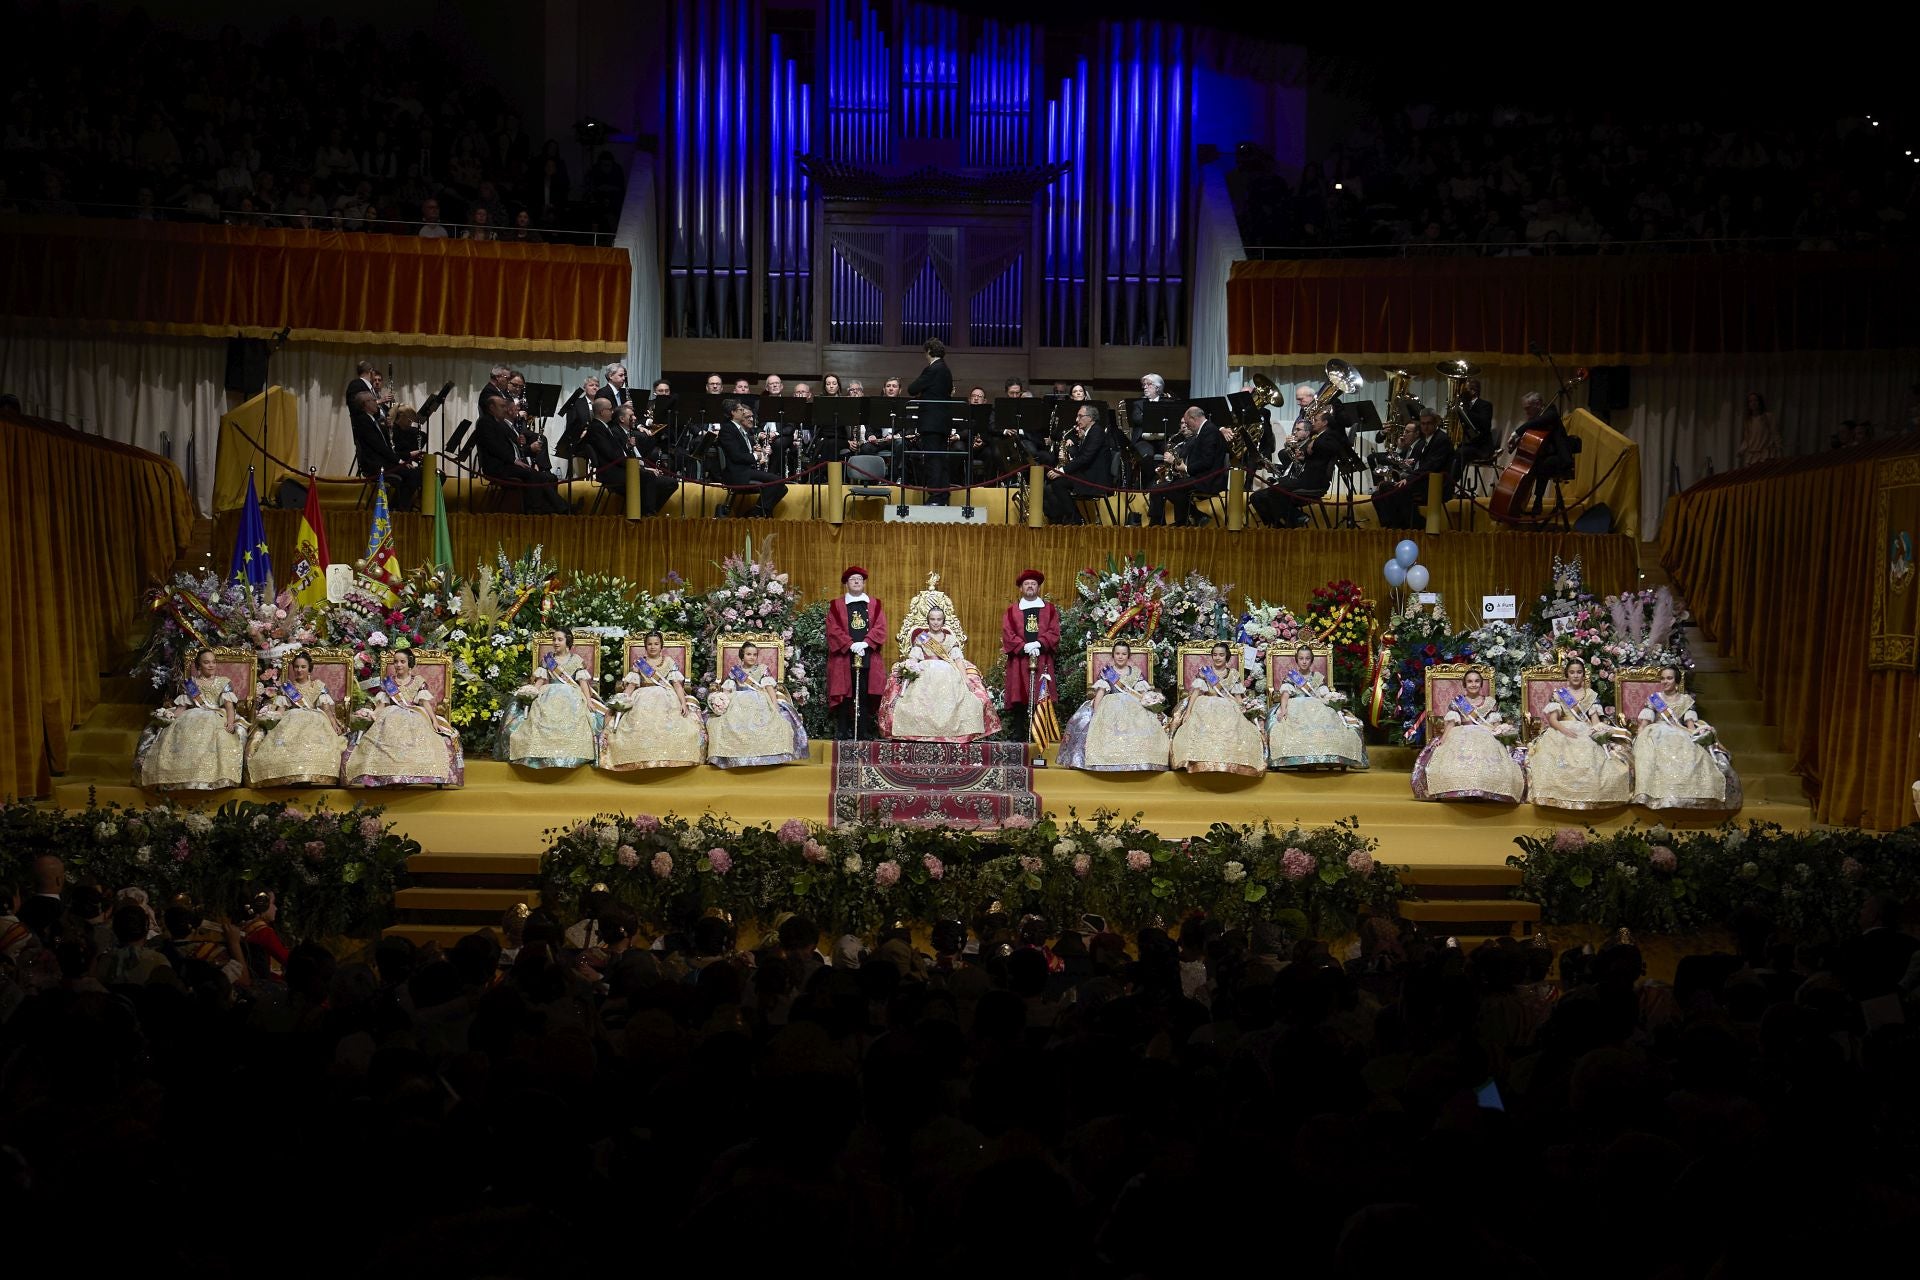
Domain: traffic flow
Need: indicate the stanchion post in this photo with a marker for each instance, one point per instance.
(631, 467)
(836, 492)
(1036, 496)
(1436, 502)
(1236, 499)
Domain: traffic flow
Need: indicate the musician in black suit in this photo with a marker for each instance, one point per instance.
(1476, 436)
(614, 386)
(650, 446)
(498, 446)
(1198, 452)
(1399, 504)
(935, 382)
(576, 413)
(1284, 507)
(363, 375)
(375, 455)
(743, 468)
(1090, 459)
(1552, 460)
(1153, 390)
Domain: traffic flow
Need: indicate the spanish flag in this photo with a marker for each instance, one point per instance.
(383, 566)
(1043, 726)
(310, 558)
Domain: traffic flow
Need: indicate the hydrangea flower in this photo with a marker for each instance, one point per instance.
(719, 860)
(1296, 864)
(1138, 860)
(1082, 865)
(1234, 872)
(662, 864)
(627, 856)
(936, 869)
(887, 874)
(1662, 858)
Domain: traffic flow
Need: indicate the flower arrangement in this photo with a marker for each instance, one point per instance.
(1144, 605)
(334, 873)
(851, 878)
(1341, 614)
(201, 608)
(1262, 627)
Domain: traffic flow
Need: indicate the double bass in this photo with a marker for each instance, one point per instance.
(1505, 500)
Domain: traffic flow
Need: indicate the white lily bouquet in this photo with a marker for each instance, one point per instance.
(363, 715)
(527, 694)
(621, 702)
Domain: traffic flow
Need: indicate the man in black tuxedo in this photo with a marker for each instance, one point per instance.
(576, 413)
(42, 909)
(375, 455)
(935, 382)
(1201, 448)
(498, 447)
(1553, 459)
(1399, 505)
(736, 446)
(656, 458)
(1476, 438)
(1091, 460)
(614, 386)
(362, 380)
(1284, 508)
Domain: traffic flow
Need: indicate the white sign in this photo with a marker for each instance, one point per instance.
(1492, 607)
(1427, 597)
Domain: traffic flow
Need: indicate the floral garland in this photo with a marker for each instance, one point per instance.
(334, 874)
(197, 609)
(1316, 880)
(754, 596)
(1341, 614)
(1144, 605)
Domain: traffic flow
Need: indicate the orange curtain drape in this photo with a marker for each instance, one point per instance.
(1778, 569)
(1598, 310)
(328, 286)
(976, 564)
(89, 525)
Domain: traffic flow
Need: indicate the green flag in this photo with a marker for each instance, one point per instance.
(442, 540)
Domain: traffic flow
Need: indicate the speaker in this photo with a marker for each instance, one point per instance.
(290, 496)
(1595, 519)
(246, 365)
(1609, 387)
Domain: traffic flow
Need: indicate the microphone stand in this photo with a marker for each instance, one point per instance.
(1566, 388)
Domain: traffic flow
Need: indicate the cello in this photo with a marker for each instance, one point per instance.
(1513, 478)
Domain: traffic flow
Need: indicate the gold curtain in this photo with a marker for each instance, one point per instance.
(242, 434)
(1780, 571)
(977, 564)
(89, 525)
(327, 286)
(1606, 471)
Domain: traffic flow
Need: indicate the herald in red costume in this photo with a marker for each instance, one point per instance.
(1019, 626)
(842, 630)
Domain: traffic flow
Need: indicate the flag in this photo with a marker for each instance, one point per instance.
(310, 553)
(382, 563)
(251, 563)
(442, 540)
(1043, 725)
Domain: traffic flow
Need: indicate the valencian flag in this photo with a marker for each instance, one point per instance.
(382, 563)
(1043, 726)
(251, 563)
(442, 540)
(310, 553)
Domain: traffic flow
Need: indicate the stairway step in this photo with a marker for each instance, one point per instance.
(464, 899)
(474, 864)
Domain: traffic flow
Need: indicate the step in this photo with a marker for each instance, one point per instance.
(450, 865)
(1474, 909)
(1455, 877)
(464, 899)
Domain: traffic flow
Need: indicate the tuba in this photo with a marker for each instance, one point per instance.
(1342, 379)
(1456, 372)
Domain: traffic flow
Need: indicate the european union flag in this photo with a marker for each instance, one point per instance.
(251, 563)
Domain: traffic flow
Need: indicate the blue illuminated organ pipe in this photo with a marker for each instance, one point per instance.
(710, 250)
(1146, 130)
(789, 304)
(1063, 266)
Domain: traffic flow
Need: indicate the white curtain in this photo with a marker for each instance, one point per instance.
(1688, 415)
(161, 393)
(639, 235)
(1216, 248)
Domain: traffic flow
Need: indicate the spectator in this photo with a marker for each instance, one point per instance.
(431, 228)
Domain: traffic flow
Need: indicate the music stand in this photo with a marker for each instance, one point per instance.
(836, 423)
(1153, 423)
(1347, 463)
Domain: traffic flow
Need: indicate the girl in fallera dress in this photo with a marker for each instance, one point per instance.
(750, 719)
(1469, 758)
(659, 726)
(198, 742)
(1211, 732)
(303, 746)
(1677, 762)
(933, 693)
(407, 743)
(559, 727)
(1118, 729)
(1579, 761)
(1306, 729)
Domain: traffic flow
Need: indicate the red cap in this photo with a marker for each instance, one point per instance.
(1035, 574)
(851, 570)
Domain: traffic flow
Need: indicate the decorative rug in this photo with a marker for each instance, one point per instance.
(976, 785)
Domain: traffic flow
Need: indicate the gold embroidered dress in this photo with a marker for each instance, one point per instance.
(407, 744)
(193, 750)
(1211, 732)
(305, 747)
(661, 728)
(943, 700)
(750, 721)
(1469, 760)
(560, 728)
(1307, 729)
(1567, 767)
(1117, 731)
(1676, 765)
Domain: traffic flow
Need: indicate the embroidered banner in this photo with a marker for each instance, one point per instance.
(1896, 522)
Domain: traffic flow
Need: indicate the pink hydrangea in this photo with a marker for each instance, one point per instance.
(1030, 865)
(793, 831)
(1662, 858)
(181, 849)
(936, 869)
(1138, 859)
(292, 813)
(314, 849)
(1296, 864)
(1360, 862)
(1569, 839)
(627, 856)
(369, 828)
(887, 874)
(1018, 822)
(280, 848)
(1850, 868)
(814, 851)
(1082, 865)
(720, 860)
(646, 824)
(662, 864)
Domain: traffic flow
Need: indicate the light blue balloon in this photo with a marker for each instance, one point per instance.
(1395, 574)
(1407, 553)
(1418, 577)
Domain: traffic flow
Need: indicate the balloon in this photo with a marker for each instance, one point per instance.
(1418, 577)
(1395, 574)
(1407, 552)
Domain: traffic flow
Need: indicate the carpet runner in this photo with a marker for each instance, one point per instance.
(976, 785)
